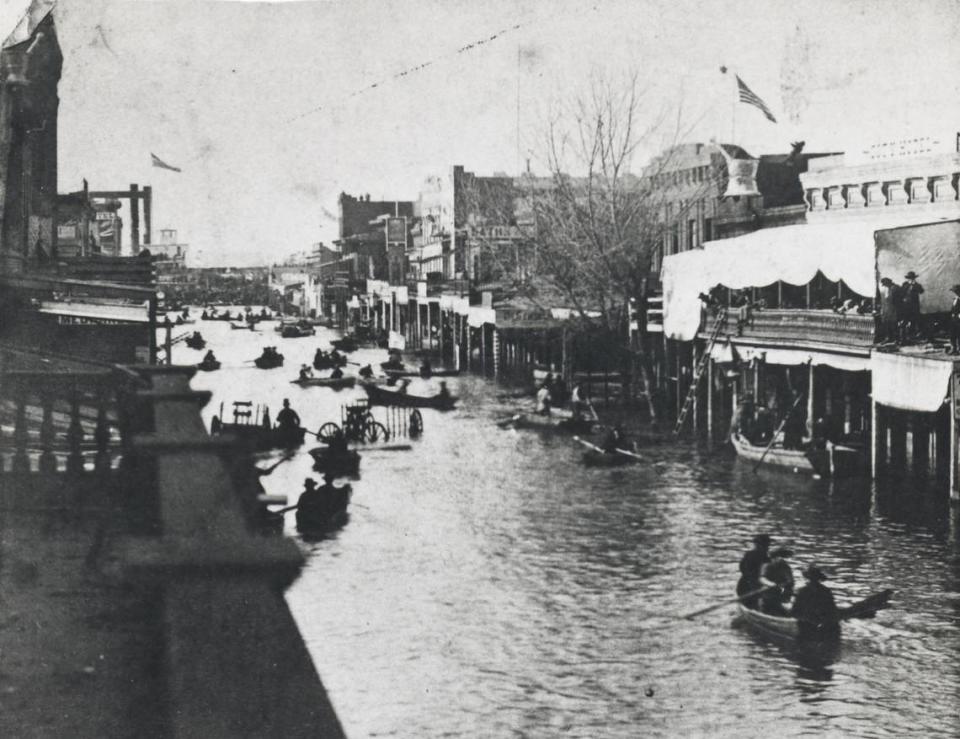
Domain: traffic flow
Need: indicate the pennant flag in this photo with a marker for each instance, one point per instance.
(158, 162)
(749, 97)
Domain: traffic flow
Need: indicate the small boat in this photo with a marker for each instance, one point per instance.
(258, 436)
(319, 520)
(327, 362)
(594, 456)
(209, 366)
(333, 382)
(247, 327)
(297, 331)
(195, 343)
(557, 420)
(382, 396)
(393, 366)
(423, 372)
(269, 362)
(788, 628)
(344, 463)
(346, 344)
(833, 461)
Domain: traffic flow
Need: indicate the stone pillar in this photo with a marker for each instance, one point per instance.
(874, 195)
(917, 190)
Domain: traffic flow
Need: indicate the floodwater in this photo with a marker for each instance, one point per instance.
(488, 584)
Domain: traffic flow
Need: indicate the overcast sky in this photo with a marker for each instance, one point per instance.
(266, 106)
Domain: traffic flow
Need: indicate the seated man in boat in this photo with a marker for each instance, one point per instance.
(305, 372)
(613, 440)
(751, 566)
(336, 374)
(336, 356)
(366, 371)
(209, 357)
(544, 400)
(337, 443)
(444, 391)
(814, 606)
(287, 418)
(312, 501)
(425, 369)
(778, 575)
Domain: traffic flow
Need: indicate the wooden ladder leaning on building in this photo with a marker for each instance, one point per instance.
(719, 323)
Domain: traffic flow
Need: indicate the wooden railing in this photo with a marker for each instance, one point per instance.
(803, 327)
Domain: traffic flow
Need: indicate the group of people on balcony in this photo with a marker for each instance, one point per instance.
(900, 311)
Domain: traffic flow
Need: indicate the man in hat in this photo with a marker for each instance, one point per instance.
(777, 575)
(305, 372)
(751, 565)
(814, 606)
(889, 313)
(910, 292)
(955, 321)
(311, 499)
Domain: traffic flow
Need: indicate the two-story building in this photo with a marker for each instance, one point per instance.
(796, 305)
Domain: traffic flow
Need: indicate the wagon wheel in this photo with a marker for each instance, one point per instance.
(328, 431)
(416, 422)
(376, 431)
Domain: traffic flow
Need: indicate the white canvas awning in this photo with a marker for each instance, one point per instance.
(125, 313)
(792, 357)
(910, 383)
(792, 254)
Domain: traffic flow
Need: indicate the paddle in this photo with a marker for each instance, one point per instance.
(588, 444)
(775, 433)
(507, 421)
(751, 594)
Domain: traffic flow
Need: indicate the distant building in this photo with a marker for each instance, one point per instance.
(77, 234)
(169, 257)
(378, 233)
(109, 227)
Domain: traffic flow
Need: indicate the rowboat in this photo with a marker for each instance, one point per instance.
(790, 629)
(297, 331)
(832, 461)
(558, 419)
(425, 374)
(315, 521)
(209, 366)
(259, 437)
(198, 343)
(345, 463)
(346, 344)
(332, 382)
(382, 396)
(242, 327)
(269, 362)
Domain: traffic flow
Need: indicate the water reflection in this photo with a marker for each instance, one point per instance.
(488, 584)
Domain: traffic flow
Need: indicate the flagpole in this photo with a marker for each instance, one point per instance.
(733, 109)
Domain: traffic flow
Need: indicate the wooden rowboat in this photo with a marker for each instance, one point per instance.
(269, 362)
(790, 629)
(312, 521)
(332, 382)
(209, 366)
(834, 460)
(382, 396)
(344, 463)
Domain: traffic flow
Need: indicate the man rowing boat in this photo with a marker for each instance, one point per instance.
(751, 567)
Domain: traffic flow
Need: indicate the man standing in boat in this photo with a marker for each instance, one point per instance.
(544, 399)
(287, 418)
(751, 566)
(814, 606)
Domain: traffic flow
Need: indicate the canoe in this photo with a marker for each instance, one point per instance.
(333, 382)
(346, 463)
(382, 396)
(833, 461)
(268, 363)
(421, 373)
(208, 366)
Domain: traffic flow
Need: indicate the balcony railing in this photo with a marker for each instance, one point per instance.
(849, 330)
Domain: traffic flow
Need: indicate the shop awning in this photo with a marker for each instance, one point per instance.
(793, 357)
(791, 254)
(106, 312)
(910, 383)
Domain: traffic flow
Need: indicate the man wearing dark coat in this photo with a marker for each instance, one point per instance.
(910, 292)
(814, 606)
(751, 565)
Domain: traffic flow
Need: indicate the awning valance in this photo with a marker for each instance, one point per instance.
(792, 254)
(910, 383)
(793, 357)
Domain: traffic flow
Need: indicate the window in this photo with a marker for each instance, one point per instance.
(675, 239)
(691, 234)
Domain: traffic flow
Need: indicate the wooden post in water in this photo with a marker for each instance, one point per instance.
(710, 398)
(954, 492)
(874, 432)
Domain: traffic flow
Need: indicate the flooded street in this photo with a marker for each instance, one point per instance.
(489, 584)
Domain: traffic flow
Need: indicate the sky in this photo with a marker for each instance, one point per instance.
(270, 111)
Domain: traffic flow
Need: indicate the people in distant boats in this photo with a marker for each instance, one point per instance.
(777, 575)
(751, 567)
(319, 357)
(311, 500)
(910, 292)
(209, 357)
(306, 372)
(955, 321)
(204, 316)
(366, 371)
(287, 418)
(444, 392)
(263, 313)
(336, 356)
(425, 369)
(544, 399)
(615, 439)
(814, 606)
(270, 353)
(336, 374)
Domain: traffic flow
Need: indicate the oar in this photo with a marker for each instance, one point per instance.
(627, 453)
(751, 594)
(507, 421)
(588, 444)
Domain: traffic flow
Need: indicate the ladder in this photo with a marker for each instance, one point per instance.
(718, 326)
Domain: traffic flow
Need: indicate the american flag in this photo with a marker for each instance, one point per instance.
(749, 97)
(158, 162)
